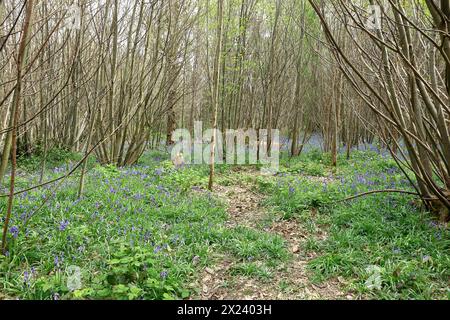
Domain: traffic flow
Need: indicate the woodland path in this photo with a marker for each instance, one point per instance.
(289, 281)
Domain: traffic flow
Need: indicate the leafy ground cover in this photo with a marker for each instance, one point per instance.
(152, 231)
(384, 244)
(137, 233)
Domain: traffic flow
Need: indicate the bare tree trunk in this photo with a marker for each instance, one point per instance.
(215, 93)
(271, 78)
(15, 116)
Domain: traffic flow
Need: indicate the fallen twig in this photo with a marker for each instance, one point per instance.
(379, 191)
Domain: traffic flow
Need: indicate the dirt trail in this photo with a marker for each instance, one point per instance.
(289, 281)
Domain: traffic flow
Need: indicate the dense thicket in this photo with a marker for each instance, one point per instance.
(112, 77)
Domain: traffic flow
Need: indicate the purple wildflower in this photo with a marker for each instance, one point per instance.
(138, 196)
(26, 277)
(433, 224)
(63, 225)
(14, 231)
(58, 260)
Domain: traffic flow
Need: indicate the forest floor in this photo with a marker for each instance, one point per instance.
(153, 231)
(289, 280)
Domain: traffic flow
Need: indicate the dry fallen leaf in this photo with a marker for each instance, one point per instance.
(206, 278)
(341, 280)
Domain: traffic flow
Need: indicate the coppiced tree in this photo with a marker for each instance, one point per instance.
(395, 68)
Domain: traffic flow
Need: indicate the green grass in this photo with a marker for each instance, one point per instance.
(409, 250)
(148, 231)
(251, 244)
(252, 269)
(137, 233)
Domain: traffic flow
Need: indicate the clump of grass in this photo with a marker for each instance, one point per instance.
(246, 243)
(253, 270)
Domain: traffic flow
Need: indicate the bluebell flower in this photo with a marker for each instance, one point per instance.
(58, 260)
(147, 235)
(26, 277)
(138, 196)
(63, 225)
(433, 224)
(14, 231)
(164, 274)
